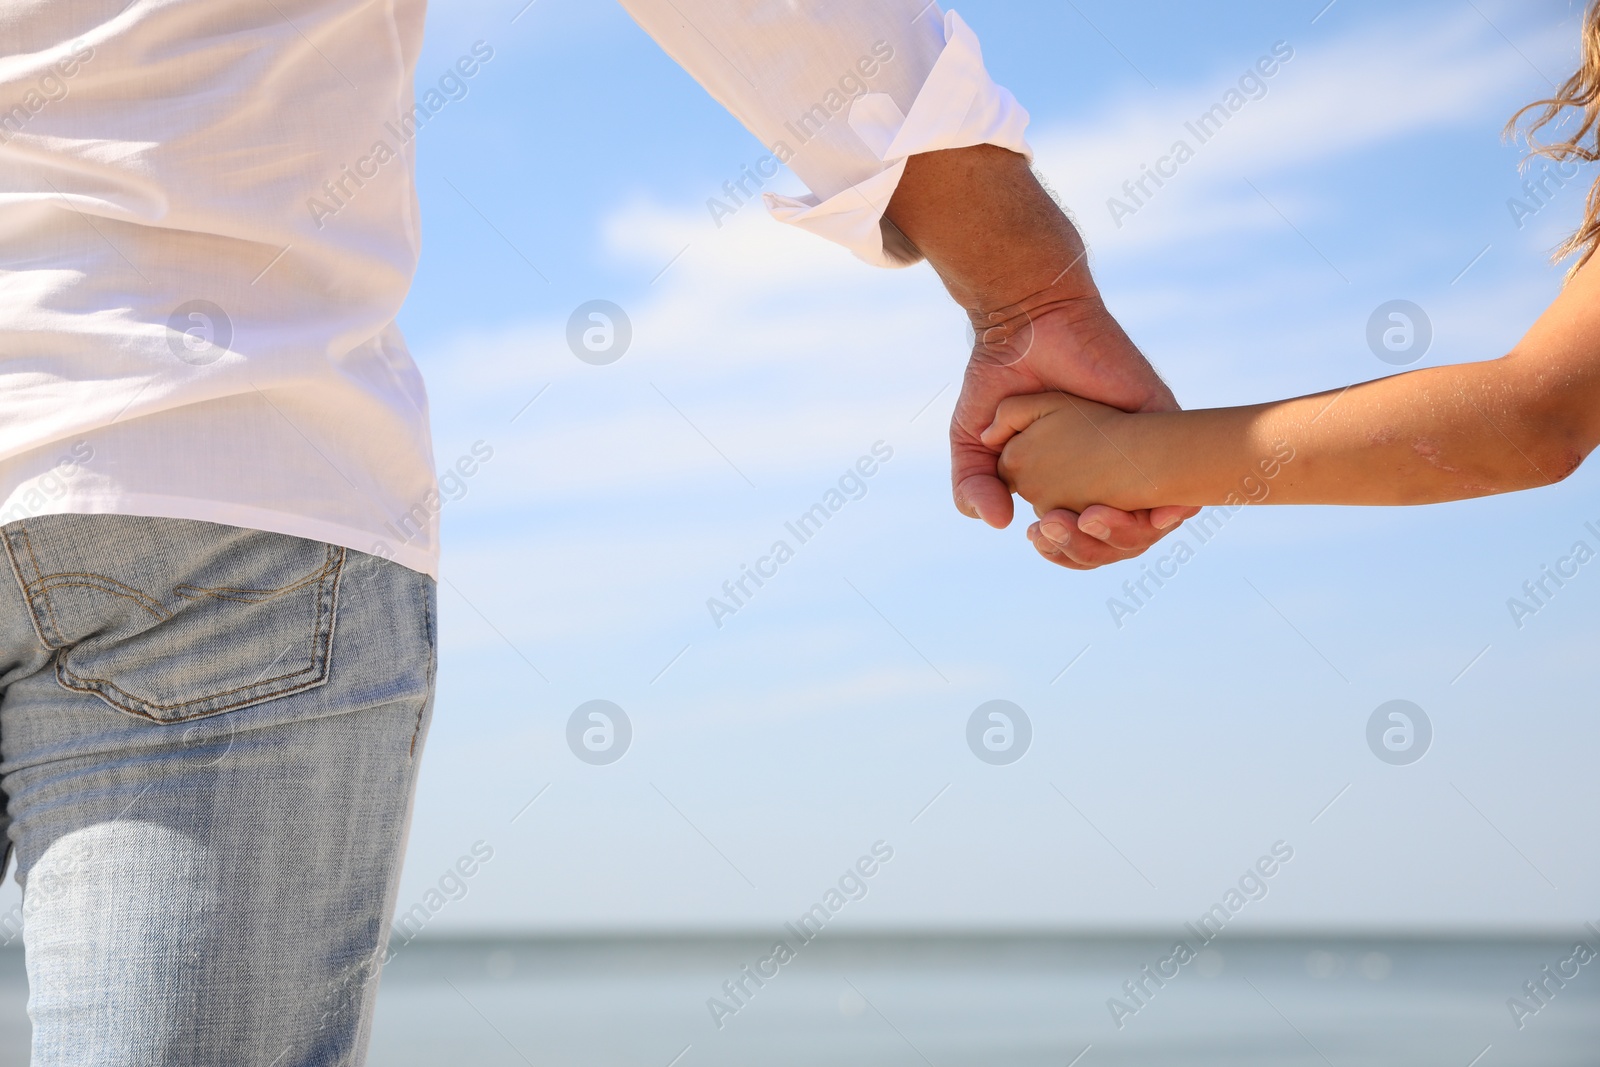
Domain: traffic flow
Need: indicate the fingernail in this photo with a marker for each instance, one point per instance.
(1094, 528)
(1056, 531)
(1168, 524)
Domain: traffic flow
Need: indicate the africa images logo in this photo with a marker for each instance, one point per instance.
(599, 733)
(1399, 733)
(999, 733)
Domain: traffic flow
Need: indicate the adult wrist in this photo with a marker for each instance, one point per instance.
(1002, 246)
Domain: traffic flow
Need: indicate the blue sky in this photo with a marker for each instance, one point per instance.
(769, 753)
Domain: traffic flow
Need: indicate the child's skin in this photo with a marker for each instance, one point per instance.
(1442, 433)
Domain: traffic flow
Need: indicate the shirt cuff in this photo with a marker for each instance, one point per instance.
(958, 106)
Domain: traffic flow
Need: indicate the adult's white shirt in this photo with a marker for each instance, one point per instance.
(208, 223)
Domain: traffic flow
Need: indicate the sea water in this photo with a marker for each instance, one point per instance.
(1029, 1000)
(952, 1001)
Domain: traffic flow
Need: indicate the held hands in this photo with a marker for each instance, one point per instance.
(1062, 452)
(1073, 345)
(1009, 255)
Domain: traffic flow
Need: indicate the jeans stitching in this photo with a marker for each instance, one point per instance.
(50, 611)
(426, 588)
(48, 583)
(99, 690)
(45, 580)
(325, 606)
(253, 596)
(87, 683)
(6, 535)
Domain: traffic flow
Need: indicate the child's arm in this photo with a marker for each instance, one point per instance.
(1444, 433)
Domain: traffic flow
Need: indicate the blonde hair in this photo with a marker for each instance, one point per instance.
(1581, 91)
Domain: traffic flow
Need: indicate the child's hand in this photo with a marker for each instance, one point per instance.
(1062, 451)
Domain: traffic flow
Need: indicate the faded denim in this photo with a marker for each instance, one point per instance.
(208, 751)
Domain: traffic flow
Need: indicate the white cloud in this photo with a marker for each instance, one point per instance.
(1390, 80)
(786, 354)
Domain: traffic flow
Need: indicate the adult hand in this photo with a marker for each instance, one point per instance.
(1008, 254)
(1075, 346)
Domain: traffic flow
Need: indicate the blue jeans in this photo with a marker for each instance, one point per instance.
(208, 751)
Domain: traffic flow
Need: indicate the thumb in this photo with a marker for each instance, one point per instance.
(1016, 414)
(984, 496)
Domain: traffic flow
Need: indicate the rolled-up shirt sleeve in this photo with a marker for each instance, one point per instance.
(843, 92)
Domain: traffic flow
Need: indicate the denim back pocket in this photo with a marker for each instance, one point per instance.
(172, 620)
